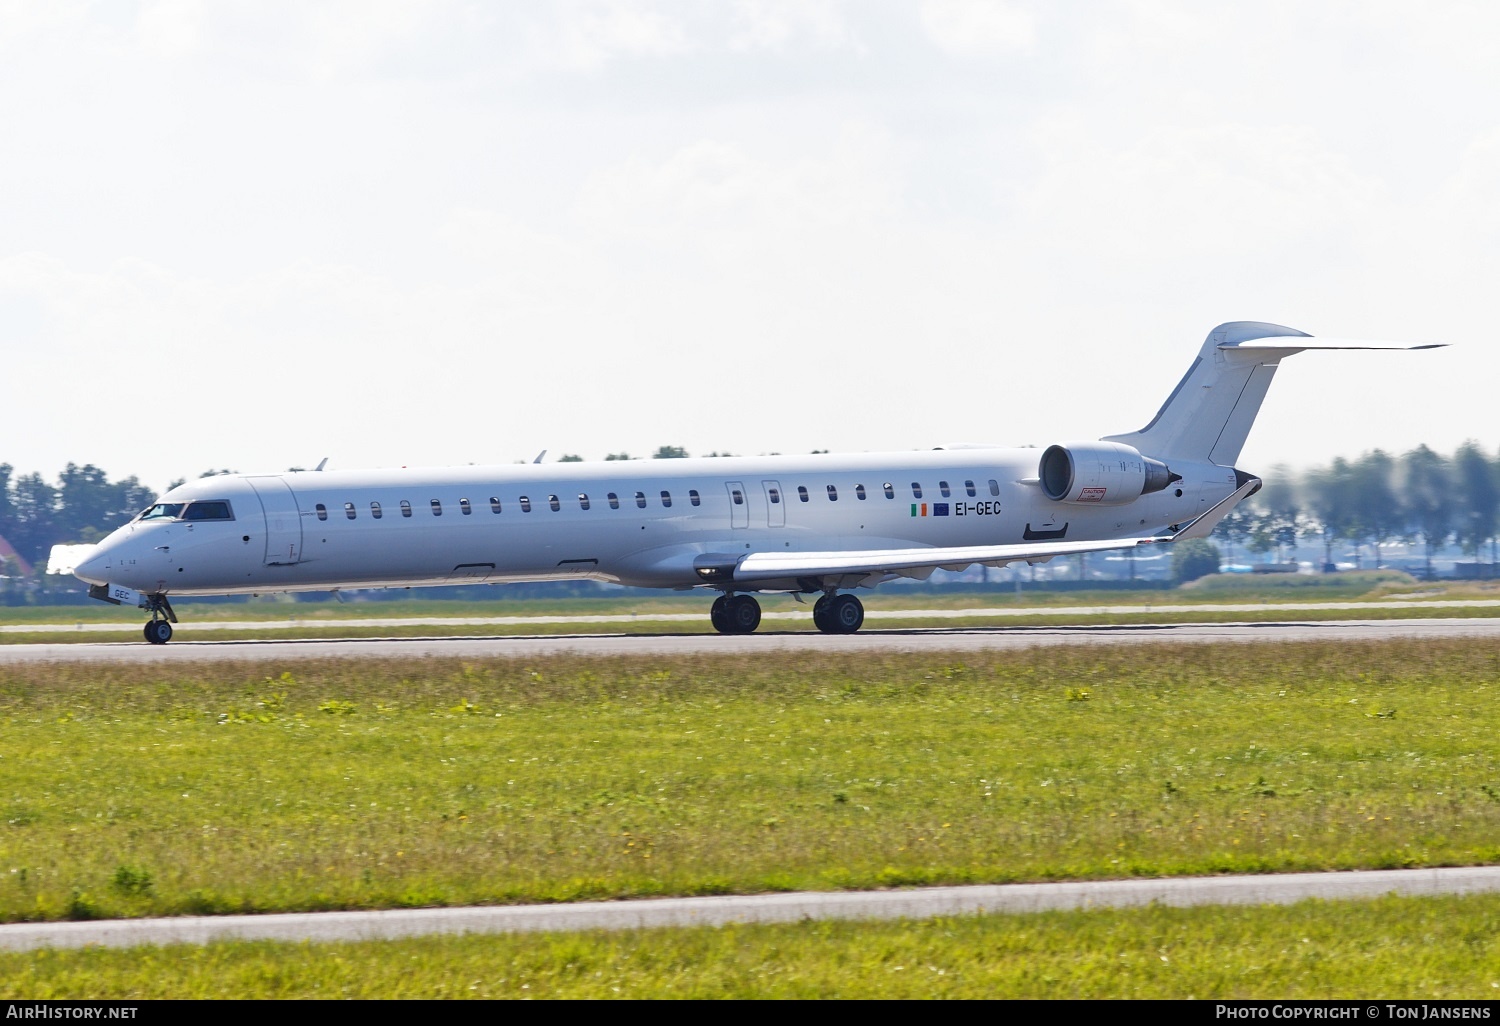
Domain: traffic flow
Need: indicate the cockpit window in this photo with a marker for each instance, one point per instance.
(202, 510)
(164, 511)
(208, 511)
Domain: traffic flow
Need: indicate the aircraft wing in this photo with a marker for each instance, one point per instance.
(762, 566)
(1204, 523)
(772, 565)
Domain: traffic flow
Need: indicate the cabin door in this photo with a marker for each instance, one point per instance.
(283, 520)
(775, 504)
(739, 504)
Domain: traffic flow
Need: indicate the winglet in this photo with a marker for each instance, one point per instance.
(1203, 525)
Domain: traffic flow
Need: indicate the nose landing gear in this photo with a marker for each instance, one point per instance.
(158, 629)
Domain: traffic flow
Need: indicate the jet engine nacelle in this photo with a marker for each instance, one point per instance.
(1100, 473)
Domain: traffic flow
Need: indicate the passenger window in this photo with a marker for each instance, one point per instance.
(375, 510)
(802, 492)
(833, 494)
(775, 497)
(553, 503)
(494, 504)
(614, 501)
(405, 508)
(437, 507)
(994, 487)
(640, 499)
(969, 487)
(464, 507)
(525, 504)
(693, 497)
(916, 490)
(583, 500)
(666, 497)
(859, 492)
(943, 487)
(739, 497)
(349, 510)
(890, 490)
(322, 511)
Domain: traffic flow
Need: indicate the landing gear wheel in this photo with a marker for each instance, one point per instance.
(158, 632)
(742, 614)
(846, 614)
(718, 614)
(820, 614)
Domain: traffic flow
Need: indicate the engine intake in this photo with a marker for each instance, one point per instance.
(1101, 473)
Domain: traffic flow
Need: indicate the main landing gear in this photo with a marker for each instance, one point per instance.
(832, 614)
(735, 614)
(838, 614)
(158, 629)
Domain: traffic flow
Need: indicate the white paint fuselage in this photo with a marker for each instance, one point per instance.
(315, 530)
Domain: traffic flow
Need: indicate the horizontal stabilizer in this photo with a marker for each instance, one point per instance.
(1297, 343)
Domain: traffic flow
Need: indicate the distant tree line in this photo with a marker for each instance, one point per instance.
(82, 506)
(1421, 497)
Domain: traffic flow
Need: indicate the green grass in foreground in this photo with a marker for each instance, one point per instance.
(156, 790)
(1391, 948)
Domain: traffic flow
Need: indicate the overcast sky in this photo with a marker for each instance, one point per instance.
(254, 234)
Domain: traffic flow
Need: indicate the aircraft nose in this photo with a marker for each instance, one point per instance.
(90, 570)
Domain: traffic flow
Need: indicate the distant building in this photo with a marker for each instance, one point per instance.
(65, 557)
(8, 551)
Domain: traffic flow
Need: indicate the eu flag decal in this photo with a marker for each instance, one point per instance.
(939, 509)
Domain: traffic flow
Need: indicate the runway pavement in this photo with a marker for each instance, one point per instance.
(765, 908)
(938, 639)
(795, 617)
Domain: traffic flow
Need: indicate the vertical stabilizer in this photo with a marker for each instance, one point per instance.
(1209, 413)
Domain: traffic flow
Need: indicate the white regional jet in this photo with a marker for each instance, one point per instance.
(809, 525)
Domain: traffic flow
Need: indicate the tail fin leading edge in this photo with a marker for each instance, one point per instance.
(1209, 414)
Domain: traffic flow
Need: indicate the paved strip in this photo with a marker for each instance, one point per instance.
(769, 908)
(944, 639)
(296, 623)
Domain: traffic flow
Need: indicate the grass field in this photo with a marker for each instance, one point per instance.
(154, 790)
(1392, 948)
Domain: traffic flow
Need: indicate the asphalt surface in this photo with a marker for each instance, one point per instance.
(186, 648)
(795, 617)
(769, 908)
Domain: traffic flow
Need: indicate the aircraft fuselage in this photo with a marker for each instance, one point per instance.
(639, 522)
